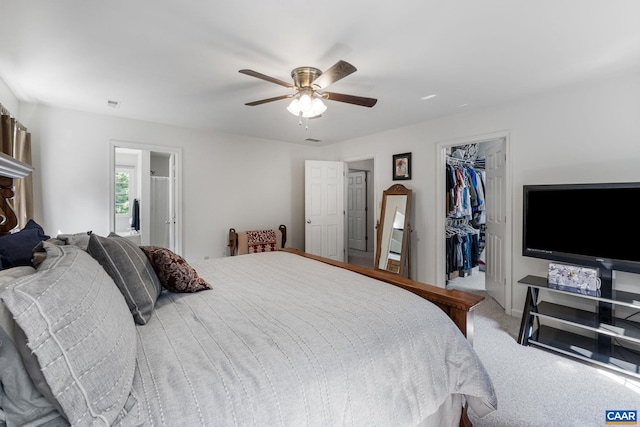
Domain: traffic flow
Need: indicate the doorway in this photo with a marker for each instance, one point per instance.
(145, 195)
(360, 213)
(476, 242)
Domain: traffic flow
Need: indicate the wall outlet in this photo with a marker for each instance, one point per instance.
(207, 257)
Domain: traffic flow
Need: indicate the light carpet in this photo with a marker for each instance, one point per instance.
(536, 387)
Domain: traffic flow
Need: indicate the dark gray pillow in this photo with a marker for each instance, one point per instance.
(131, 270)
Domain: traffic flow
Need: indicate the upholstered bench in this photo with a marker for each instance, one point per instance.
(255, 241)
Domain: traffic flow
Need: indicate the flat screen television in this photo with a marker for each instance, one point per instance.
(585, 224)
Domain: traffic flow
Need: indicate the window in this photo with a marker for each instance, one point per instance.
(123, 184)
(126, 191)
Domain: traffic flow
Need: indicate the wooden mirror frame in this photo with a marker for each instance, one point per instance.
(384, 232)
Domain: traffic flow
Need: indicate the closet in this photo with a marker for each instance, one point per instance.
(466, 211)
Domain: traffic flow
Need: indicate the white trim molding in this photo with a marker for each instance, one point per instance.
(13, 168)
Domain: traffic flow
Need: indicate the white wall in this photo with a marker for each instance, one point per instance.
(228, 181)
(9, 100)
(585, 133)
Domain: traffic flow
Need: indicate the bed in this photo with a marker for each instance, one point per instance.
(104, 332)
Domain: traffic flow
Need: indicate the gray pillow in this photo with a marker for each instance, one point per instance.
(79, 328)
(21, 401)
(131, 270)
(79, 239)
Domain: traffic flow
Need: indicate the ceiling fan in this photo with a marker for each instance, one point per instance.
(309, 84)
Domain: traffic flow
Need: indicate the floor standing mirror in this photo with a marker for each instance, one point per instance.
(394, 232)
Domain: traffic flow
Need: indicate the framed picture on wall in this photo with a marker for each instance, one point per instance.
(401, 166)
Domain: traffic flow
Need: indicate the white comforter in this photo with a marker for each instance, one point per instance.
(282, 340)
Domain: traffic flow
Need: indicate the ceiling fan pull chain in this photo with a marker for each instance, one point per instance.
(300, 118)
(306, 127)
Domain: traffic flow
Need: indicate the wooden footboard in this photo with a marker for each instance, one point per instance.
(458, 305)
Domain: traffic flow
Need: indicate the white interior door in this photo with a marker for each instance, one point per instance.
(324, 208)
(496, 233)
(172, 198)
(357, 210)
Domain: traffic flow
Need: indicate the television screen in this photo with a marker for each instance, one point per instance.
(585, 224)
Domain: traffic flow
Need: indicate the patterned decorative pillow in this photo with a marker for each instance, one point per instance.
(174, 272)
(131, 270)
(78, 327)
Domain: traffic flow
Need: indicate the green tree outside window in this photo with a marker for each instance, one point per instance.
(122, 193)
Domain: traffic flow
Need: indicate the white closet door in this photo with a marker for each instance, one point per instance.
(496, 233)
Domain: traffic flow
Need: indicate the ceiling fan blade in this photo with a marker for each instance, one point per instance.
(351, 99)
(267, 78)
(264, 101)
(340, 70)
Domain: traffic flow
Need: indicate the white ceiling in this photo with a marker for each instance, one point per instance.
(177, 62)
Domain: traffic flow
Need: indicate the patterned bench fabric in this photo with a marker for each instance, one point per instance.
(261, 241)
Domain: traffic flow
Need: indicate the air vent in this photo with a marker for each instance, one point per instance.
(113, 104)
(312, 140)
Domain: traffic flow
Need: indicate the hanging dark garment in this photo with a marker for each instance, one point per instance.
(135, 215)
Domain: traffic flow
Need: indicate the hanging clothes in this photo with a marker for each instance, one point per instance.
(463, 248)
(465, 190)
(135, 215)
(466, 215)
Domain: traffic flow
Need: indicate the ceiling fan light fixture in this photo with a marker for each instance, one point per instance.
(307, 106)
(309, 84)
(294, 107)
(305, 103)
(318, 106)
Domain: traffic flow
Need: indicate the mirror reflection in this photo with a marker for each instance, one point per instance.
(392, 252)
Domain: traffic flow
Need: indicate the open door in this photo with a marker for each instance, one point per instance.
(171, 227)
(324, 208)
(496, 233)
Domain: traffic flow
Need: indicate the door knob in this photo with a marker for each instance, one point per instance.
(308, 221)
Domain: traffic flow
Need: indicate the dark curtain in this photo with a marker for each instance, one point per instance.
(135, 215)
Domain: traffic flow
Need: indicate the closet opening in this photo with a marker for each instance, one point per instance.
(466, 217)
(475, 231)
